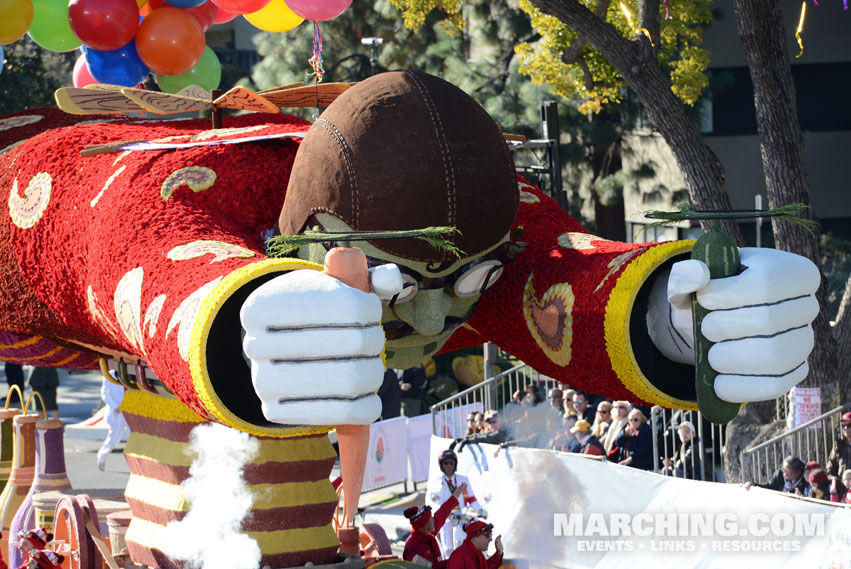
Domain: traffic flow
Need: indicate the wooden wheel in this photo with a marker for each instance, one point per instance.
(69, 526)
(88, 508)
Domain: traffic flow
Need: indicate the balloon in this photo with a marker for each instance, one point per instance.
(205, 13)
(240, 6)
(170, 41)
(104, 24)
(222, 16)
(318, 10)
(50, 28)
(81, 75)
(274, 17)
(120, 66)
(207, 74)
(186, 3)
(15, 19)
(2, 59)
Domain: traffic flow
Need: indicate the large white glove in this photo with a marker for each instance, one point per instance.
(314, 345)
(760, 321)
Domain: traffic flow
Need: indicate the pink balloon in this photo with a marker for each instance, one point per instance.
(318, 10)
(222, 16)
(81, 75)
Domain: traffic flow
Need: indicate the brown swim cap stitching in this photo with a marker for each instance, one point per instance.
(347, 154)
(444, 147)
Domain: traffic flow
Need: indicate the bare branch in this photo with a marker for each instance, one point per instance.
(572, 53)
(586, 73)
(649, 19)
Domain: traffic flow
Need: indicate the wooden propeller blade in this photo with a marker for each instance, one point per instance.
(314, 95)
(165, 103)
(243, 99)
(196, 92)
(281, 88)
(104, 87)
(94, 101)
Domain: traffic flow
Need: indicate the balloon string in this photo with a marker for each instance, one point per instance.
(316, 61)
(667, 12)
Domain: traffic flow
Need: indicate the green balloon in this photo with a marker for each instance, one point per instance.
(50, 28)
(207, 74)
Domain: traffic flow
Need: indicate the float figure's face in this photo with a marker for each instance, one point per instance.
(437, 299)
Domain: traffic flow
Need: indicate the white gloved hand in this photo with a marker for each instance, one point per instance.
(760, 321)
(314, 345)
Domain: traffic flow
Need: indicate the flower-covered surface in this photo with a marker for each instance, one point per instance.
(111, 266)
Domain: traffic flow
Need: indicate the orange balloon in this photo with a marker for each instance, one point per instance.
(143, 11)
(170, 41)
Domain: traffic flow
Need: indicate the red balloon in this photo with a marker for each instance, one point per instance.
(222, 16)
(104, 25)
(170, 41)
(205, 13)
(240, 6)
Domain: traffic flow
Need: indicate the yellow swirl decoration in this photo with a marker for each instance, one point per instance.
(527, 197)
(26, 211)
(20, 120)
(578, 240)
(197, 178)
(549, 320)
(219, 249)
(617, 321)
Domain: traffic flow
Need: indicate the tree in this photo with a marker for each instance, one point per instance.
(31, 75)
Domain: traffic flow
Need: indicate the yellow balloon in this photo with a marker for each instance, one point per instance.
(141, 3)
(15, 19)
(274, 17)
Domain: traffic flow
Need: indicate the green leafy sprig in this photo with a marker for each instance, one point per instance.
(686, 212)
(437, 237)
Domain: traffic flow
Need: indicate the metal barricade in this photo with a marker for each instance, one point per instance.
(811, 441)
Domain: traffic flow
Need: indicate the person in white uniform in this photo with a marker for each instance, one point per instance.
(440, 489)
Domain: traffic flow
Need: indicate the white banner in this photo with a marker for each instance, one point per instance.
(566, 511)
(419, 440)
(387, 458)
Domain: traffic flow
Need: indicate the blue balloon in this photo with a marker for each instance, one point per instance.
(2, 59)
(120, 66)
(185, 3)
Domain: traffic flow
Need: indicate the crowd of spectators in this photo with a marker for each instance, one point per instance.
(569, 420)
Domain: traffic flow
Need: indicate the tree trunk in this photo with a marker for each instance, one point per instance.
(636, 61)
(761, 31)
(842, 335)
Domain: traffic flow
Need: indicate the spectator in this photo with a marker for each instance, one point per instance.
(602, 419)
(470, 555)
(808, 469)
(421, 547)
(533, 395)
(554, 398)
(45, 381)
(117, 426)
(472, 424)
(636, 442)
(846, 482)
(580, 404)
(565, 441)
(788, 478)
(412, 381)
(620, 411)
(688, 463)
(840, 457)
(567, 399)
(495, 431)
(481, 426)
(819, 485)
(15, 376)
(390, 394)
(588, 443)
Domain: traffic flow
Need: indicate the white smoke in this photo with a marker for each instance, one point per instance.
(209, 537)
